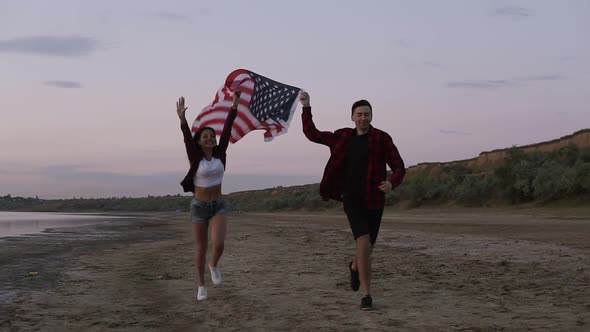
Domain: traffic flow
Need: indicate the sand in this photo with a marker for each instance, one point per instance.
(450, 270)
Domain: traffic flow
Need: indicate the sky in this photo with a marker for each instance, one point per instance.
(89, 87)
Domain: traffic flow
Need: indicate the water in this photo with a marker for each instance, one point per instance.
(20, 223)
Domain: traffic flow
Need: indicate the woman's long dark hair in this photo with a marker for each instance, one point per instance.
(198, 134)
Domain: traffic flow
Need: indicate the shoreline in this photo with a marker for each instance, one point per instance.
(37, 262)
(17, 223)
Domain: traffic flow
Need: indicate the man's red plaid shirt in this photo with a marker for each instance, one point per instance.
(382, 152)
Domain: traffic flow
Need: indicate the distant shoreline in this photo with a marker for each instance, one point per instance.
(19, 223)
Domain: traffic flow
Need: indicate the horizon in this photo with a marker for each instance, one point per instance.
(89, 108)
(262, 187)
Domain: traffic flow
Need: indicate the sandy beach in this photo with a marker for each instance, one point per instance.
(452, 270)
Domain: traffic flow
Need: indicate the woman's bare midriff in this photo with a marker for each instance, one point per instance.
(208, 194)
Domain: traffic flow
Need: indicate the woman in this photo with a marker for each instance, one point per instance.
(207, 160)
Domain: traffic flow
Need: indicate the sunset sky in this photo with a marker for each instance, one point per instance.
(89, 88)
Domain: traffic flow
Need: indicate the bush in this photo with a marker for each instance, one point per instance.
(475, 190)
(553, 180)
(569, 154)
(523, 175)
(582, 177)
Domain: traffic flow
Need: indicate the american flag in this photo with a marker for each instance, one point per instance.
(264, 105)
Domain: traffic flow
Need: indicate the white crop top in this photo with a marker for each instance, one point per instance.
(209, 173)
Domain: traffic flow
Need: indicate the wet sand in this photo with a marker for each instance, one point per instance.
(451, 270)
(21, 223)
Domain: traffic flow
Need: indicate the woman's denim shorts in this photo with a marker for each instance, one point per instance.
(202, 211)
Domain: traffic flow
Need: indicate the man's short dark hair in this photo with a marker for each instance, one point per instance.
(360, 103)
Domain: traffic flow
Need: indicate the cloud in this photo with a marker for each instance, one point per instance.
(92, 180)
(433, 64)
(103, 178)
(69, 47)
(513, 12)
(84, 180)
(88, 176)
(480, 84)
(402, 43)
(16, 168)
(57, 170)
(242, 182)
(64, 84)
(567, 58)
(551, 77)
(497, 84)
(454, 132)
(172, 16)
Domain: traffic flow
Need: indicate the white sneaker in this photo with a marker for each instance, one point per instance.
(215, 275)
(202, 293)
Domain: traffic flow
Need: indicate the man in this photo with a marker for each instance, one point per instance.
(356, 175)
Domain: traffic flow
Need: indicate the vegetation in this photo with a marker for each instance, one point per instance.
(147, 204)
(520, 178)
(537, 177)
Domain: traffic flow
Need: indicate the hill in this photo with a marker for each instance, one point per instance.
(542, 173)
(546, 173)
(489, 159)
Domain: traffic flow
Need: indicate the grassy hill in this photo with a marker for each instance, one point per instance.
(552, 172)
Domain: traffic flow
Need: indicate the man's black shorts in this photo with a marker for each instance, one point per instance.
(363, 221)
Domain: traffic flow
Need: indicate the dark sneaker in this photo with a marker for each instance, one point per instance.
(367, 303)
(355, 282)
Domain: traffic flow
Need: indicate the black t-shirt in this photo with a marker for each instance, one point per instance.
(355, 169)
